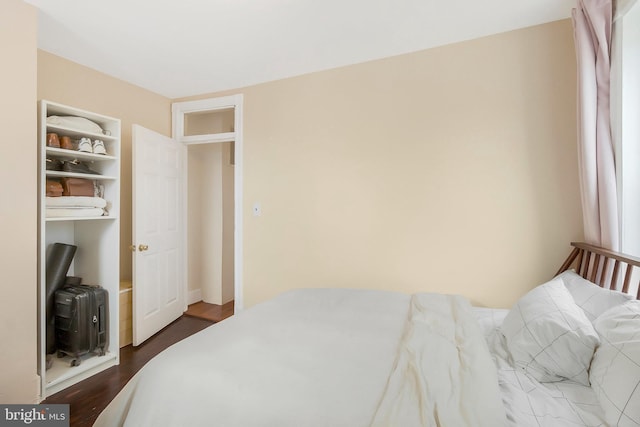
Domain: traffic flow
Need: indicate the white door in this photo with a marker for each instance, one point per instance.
(158, 232)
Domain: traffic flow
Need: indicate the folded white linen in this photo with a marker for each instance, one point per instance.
(444, 374)
(75, 201)
(77, 123)
(73, 212)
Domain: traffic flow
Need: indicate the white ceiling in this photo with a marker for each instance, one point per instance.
(188, 47)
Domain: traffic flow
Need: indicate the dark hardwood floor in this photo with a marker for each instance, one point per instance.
(212, 312)
(89, 397)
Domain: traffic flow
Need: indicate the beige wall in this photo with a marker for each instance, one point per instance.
(448, 170)
(451, 169)
(18, 209)
(63, 81)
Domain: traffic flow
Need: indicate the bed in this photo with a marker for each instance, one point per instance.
(566, 354)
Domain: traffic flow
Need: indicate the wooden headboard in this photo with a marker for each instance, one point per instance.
(603, 267)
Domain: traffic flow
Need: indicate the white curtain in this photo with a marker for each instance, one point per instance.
(592, 23)
(621, 7)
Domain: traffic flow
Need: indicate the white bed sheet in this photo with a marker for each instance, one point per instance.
(321, 357)
(263, 373)
(529, 402)
(304, 358)
(444, 374)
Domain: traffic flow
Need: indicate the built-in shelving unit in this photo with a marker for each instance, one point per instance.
(97, 238)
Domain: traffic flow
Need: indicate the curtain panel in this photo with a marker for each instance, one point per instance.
(592, 23)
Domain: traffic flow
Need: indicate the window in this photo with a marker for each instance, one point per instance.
(625, 107)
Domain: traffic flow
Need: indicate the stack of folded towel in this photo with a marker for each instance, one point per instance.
(75, 206)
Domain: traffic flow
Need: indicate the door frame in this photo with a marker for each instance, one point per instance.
(178, 110)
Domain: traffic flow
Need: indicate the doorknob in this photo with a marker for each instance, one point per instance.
(132, 247)
(143, 247)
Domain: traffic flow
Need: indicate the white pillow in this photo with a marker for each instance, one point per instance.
(77, 123)
(549, 336)
(591, 298)
(615, 370)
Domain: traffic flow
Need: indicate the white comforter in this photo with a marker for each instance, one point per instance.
(329, 357)
(444, 375)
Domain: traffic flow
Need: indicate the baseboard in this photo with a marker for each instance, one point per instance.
(194, 296)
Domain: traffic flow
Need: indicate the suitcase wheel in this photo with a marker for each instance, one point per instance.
(49, 361)
(76, 362)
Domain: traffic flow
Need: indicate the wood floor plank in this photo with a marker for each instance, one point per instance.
(89, 397)
(213, 312)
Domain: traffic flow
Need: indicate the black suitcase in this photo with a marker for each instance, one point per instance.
(81, 321)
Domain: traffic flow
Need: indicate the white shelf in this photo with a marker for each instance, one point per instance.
(212, 137)
(78, 155)
(61, 374)
(81, 218)
(97, 239)
(63, 130)
(61, 174)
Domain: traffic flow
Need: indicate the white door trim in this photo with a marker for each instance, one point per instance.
(179, 109)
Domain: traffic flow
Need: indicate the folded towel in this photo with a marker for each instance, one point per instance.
(75, 201)
(73, 212)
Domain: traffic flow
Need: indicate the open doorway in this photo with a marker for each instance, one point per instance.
(211, 129)
(210, 230)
